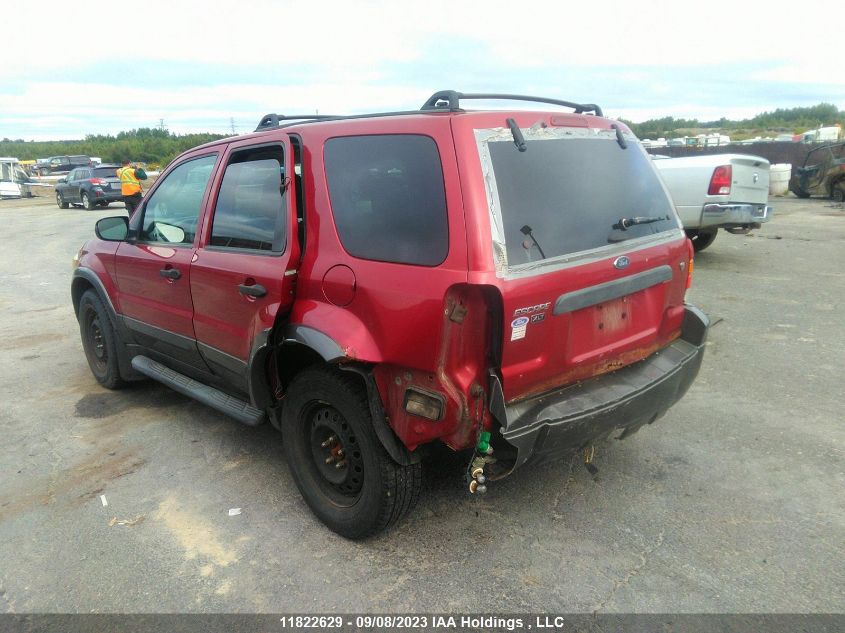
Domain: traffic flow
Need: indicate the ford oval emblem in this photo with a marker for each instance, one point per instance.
(621, 262)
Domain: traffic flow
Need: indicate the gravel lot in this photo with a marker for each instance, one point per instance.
(731, 503)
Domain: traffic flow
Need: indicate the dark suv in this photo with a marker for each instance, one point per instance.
(89, 186)
(506, 283)
(60, 164)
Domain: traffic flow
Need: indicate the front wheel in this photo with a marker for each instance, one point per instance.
(701, 239)
(60, 200)
(340, 467)
(99, 340)
(87, 202)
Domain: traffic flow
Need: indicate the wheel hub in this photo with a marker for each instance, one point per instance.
(97, 339)
(335, 451)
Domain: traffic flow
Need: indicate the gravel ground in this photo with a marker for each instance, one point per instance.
(731, 503)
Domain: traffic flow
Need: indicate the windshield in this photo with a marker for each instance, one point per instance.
(571, 191)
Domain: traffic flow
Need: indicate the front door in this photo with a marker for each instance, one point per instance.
(153, 271)
(241, 278)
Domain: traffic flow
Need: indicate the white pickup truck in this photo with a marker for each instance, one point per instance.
(728, 191)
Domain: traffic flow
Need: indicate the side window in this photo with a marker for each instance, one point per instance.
(172, 212)
(249, 213)
(72, 175)
(388, 198)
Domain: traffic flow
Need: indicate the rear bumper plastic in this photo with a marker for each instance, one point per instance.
(559, 422)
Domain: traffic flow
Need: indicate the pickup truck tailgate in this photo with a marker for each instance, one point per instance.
(750, 179)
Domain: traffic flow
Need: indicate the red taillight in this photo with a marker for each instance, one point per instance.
(720, 183)
(96, 181)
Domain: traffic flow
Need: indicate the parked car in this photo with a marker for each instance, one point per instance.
(720, 191)
(89, 186)
(823, 173)
(60, 164)
(376, 285)
(14, 181)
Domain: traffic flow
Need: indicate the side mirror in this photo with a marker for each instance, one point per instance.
(62, 180)
(114, 229)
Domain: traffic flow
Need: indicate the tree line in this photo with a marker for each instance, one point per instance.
(791, 120)
(153, 146)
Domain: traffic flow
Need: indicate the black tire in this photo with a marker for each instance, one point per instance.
(701, 239)
(838, 193)
(371, 491)
(802, 194)
(99, 340)
(60, 200)
(89, 204)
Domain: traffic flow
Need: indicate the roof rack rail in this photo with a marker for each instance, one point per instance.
(272, 120)
(451, 100)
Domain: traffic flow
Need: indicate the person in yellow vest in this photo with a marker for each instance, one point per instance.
(130, 185)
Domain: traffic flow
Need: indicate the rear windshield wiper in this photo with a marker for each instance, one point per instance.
(527, 230)
(518, 138)
(625, 223)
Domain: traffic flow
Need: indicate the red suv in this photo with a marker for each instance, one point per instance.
(508, 283)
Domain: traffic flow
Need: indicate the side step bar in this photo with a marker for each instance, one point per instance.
(214, 398)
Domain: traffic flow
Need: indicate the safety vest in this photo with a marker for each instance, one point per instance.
(129, 184)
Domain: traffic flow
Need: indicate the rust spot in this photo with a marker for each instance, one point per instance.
(584, 372)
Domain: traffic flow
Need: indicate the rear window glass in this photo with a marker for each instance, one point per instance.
(566, 195)
(105, 172)
(388, 198)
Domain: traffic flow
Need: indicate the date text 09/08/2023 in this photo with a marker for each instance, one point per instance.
(427, 622)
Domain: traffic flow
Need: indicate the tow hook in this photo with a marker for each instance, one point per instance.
(483, 456)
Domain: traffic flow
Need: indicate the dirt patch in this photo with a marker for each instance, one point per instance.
(196, 536)
(108, 404)
(30, 340)
(82, 482)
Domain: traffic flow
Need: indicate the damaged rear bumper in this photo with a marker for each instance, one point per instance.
(574, 417)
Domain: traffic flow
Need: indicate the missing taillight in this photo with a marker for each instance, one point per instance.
(720, 182)
(424, 404)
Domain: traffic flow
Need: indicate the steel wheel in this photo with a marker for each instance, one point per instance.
(338, 463)
(335, 453)
(99, 340)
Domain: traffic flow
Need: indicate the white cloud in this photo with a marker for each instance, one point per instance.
(339, 56)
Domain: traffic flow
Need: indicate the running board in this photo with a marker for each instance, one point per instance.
(214, 398)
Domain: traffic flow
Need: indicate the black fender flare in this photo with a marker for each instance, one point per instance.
(83, 276)
(332, 354)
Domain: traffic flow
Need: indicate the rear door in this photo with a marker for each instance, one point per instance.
(153, 272)
(243, 272)
(78, 179)
(587, 247)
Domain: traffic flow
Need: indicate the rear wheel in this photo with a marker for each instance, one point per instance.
(839, 193)
(60, 200)
(99, 340)
(701, 239)
(340, 467)
(87, 202)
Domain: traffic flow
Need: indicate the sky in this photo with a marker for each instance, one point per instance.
(102, 67)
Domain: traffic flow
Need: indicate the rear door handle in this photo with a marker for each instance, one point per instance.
(170, 273)
(255, 290)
